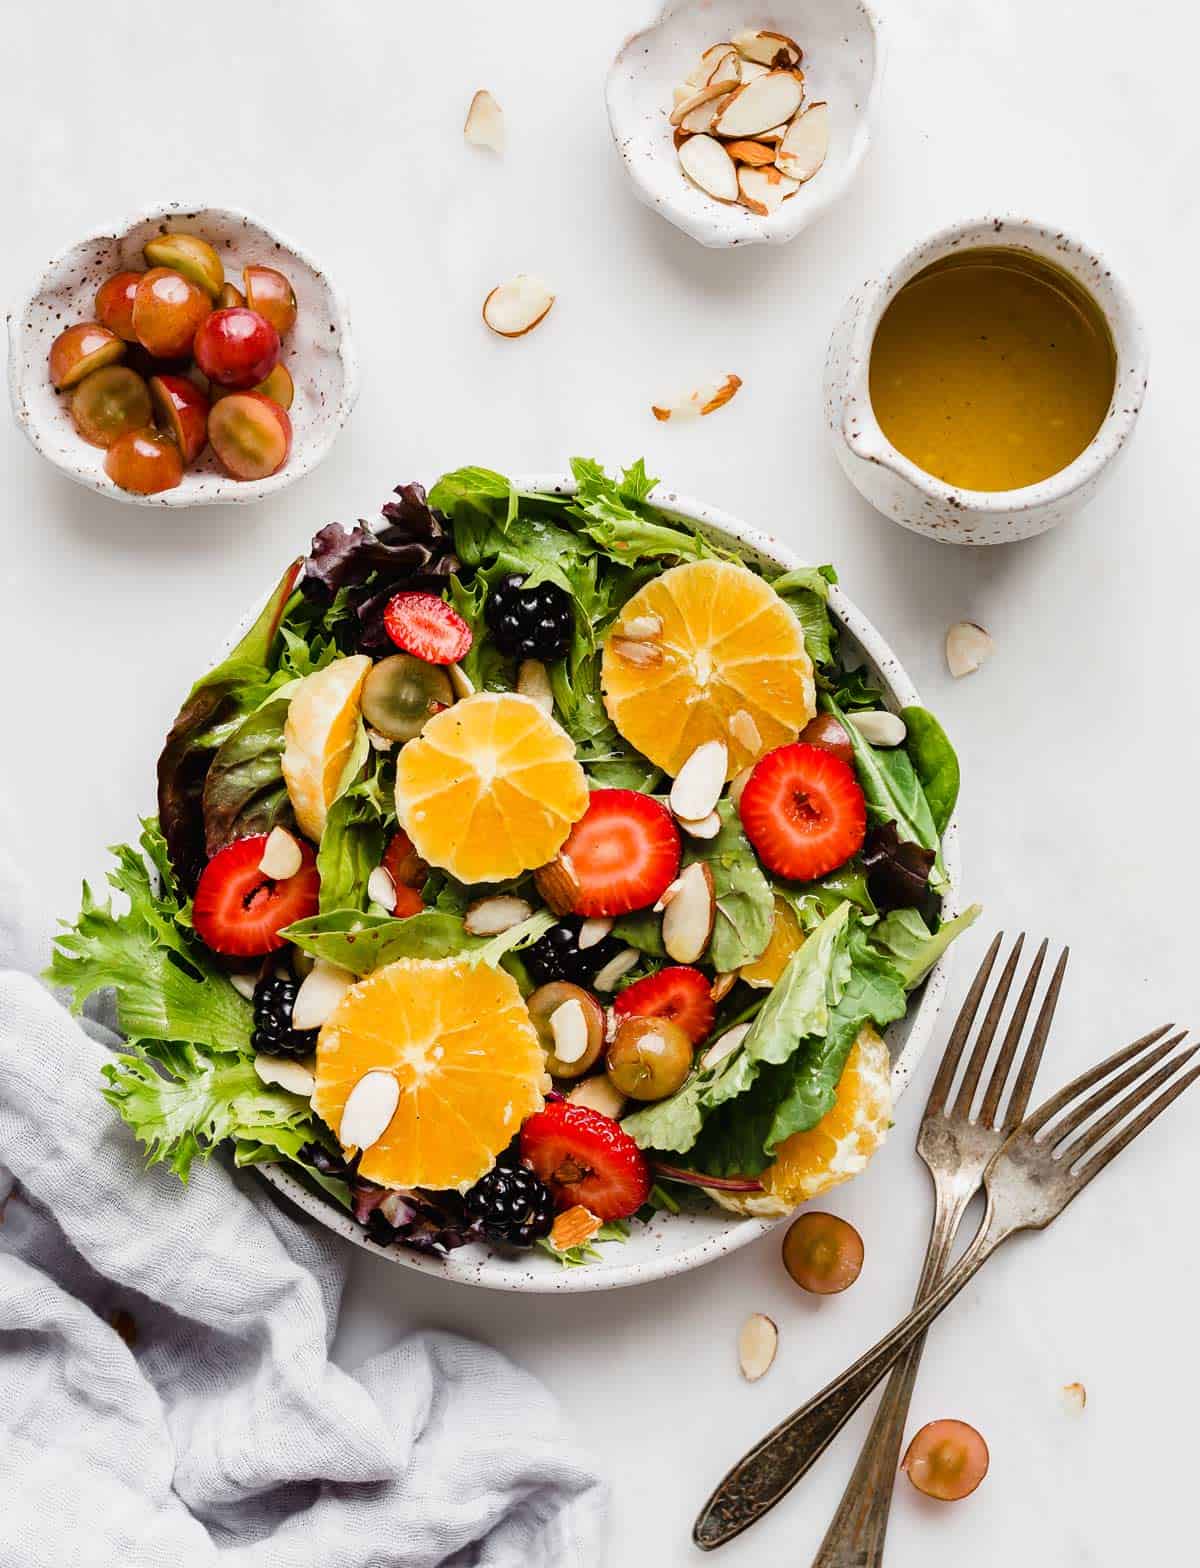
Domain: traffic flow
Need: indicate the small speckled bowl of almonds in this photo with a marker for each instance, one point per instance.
(739, 125)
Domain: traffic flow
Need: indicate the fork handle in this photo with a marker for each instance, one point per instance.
(771, 1468)
(858, 1529)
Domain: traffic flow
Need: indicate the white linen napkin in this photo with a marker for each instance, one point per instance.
(166, 1393)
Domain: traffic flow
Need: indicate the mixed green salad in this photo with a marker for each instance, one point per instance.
(685, 997)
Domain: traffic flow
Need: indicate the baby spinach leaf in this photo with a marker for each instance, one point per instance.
(912, 947)
(363, 943)
(935, 762)
(244, 792)
(813, 901)
(890, 783)
(745, 906)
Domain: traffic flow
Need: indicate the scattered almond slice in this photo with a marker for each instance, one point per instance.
(698, 121)
(764, 190)
(688, 921)
(709, 166)
(637, 650)
(704, 399)
(758, 1340)
(485, 122)
(722, 985)
(878, 727)
(533, 681)
(320, 992)
(281, 857)
(574, 1227)
(558, 885)
(1074, 1398)
(512, 309)
(491, 916)
(702, 95)
(369, 1108)
(711, 55)
(802, 151)
(771, 49)
(726, 1044)
(616, 969)
(569, 1026)
(699, 782)
(701, 827)
(381, 888)
(668, 893)
(244, 984)
(754, 153)
(726, 68)
(593, 931)
(379, 742)
(760, 104)
(967, 647)
(598, 1094)
(287, 1073)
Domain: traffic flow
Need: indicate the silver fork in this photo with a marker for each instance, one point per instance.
(956, 1147)
(1035, 1175)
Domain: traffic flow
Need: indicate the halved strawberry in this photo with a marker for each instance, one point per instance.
(678, 992)
(584, 1157)
(428, 627)
(804, 811)
(402, 863)
(623, 853)
(240, 911)
(408, 902)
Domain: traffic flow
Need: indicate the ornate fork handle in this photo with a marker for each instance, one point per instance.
(770, 1470)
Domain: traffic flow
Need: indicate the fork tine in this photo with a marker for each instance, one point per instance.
(1091, 1136)
(1057, 1102)
(1033, 1056)
(1139, 1124)
(1107, 1092)
(987, 1033)
(962, 1029)
(1000, 1072)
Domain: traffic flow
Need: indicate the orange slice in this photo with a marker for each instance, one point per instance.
(490, 788)
(838, 1147)
(786, 937)
(728, 664)
(457, 1037)
(319, 735)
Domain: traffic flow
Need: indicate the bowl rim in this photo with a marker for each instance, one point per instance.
(543, 1278)
(239, 492)
(781, 225)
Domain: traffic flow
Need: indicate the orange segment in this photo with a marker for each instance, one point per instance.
(458, 1038)
(786, 937)
(729, 664)
(490, 788)
(839, 1146)
(319, 736)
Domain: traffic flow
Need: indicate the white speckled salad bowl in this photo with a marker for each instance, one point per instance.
(669, 1244)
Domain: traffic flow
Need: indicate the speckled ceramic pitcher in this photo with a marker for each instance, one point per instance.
(906, 493)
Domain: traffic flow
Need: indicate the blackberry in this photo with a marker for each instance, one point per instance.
(529, 623)
(274, 998)
(512, 1205)
(557, 955)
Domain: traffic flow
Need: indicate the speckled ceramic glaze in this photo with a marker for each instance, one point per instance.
(843, 64)
(670, 1244)
(318, 351)
(906, 493)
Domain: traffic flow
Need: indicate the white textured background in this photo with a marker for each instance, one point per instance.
(341, 125)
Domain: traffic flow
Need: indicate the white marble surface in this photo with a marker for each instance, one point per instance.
(1079, 742)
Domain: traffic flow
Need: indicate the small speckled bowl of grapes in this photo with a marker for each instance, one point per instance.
(188, 357)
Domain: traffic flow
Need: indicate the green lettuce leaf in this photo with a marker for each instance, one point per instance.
(745, 905)
(912, 947)
(357, 828)
(890, 784)
(244, 792)
(618, 519)
(935, 762)
(363, 943)
(813, 901)
(805, 590)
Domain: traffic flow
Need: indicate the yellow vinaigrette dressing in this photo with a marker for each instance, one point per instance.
(992, 369)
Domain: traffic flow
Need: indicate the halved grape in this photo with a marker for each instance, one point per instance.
(946, 1460)
(109, 403)
(649, 1058)
(822, 1253)
(402, 692)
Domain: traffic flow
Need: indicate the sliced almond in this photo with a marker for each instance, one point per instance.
(369, 1108)
(758, 1340)
(688, 921)
(722, 395)
(574, 1227)
(634, 651)
(491, 916)
(775, 49)
(775, 134)
(802, 151)
(878, 727)
(281, 856)
(704, 399)
(967, 647)
(1074, 1397)
(533, 681)
(726, 1044)
(616, 969)
(379, 742)
(462, 683)
(764, 190)
(558, 885)
(756, 154)
(685, 90)
(244, 985)
(702, 95)
(709, 166)
(750, 69)
(598, 1094)
(569, 1026)
(642, 628)
(702, 827)
(745, 731)
(320, 992)
(514, 308)
(709, 58)
(592, 932)
(726, 68)
(287, 1073)
(485, 122)
(760, 104)
(668, 893)
(737, 784)
(381, 888)
(700, 780)
(722, 985)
